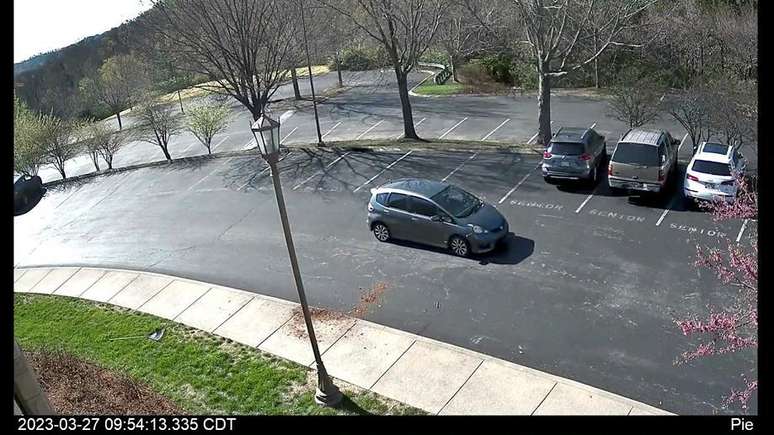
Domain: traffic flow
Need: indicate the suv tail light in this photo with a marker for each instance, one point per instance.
(370, 207)
(660, 175)
(546, 155)
(609, 169)
(585, 156)
(692, 178)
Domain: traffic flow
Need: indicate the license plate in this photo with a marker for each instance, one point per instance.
(565, 164)
(710, 186)
(630, 185)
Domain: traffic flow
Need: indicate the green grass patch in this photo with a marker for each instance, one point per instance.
(450, 88)
(200, 372)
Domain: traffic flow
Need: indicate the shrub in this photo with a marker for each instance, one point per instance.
(435, 56)
(524, 75)
(499, 68)
(361, 59)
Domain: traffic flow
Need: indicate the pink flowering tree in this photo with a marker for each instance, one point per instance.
(734, 328)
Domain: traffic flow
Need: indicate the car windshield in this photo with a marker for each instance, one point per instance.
(566, 148)
(636, 153)
(712, 168)
(457, 202)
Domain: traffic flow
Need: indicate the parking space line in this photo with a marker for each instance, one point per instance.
(460, 166)
(189, 147)
(741, 230)
(332, 128)
(663, 215)
(263, 171)
(369, 129)
(666, 210)
(208, 175)
(321, 171)
(593, 125)
(288, 135)
(517, 185)
(496, 128)
(453, 127)
(221, 141)
(584, 203)
(383, 171)
(415, 126)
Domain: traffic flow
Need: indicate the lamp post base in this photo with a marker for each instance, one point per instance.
(330, 398)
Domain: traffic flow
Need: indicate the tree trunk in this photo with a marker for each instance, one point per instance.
(596, 62)
(95, 160)
(405, 103)
(296, 92)
(338, 69)
(453, 67)
(118, 116)
(544, 108)
(166, 152)
(61, 170)
(109, 161)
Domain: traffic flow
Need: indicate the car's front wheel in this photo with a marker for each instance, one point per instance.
(381, 232)
(459, 246)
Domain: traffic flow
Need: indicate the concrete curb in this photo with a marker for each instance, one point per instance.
(438, 377)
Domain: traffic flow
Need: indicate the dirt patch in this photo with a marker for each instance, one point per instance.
(77, 387)
(368, 299)
(298, 326)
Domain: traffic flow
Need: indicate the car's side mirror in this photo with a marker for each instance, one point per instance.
(436, 218)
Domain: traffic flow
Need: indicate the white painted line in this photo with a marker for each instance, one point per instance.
(682, 142)
(250, 144)
(288, 135)
(741, 231)
(453, 127)
(329, 131)
(208, 175)
(593, 125)
(584, 202)
(423, 80)
(519, 184)
(663, 215)
(415, 126)
(321, 171)
(288, 113)
(369, 129)
(383, 171)
(189, 147)
(496, 128)
(214, 189)
(460, 166)
(221, 141)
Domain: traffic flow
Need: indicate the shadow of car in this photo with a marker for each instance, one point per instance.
(511, 250)
(27, 192)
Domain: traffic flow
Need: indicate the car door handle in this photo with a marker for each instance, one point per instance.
(414, 219)
(386, 211)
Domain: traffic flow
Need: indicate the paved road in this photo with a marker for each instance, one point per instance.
(586, 286)
(370, 109)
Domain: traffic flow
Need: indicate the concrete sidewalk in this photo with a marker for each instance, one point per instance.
(434, 376)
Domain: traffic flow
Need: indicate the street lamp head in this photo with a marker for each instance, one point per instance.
(266, 133)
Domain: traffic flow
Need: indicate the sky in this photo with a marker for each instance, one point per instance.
(44, 25)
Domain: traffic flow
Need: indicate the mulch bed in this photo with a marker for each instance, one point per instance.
(79, 387)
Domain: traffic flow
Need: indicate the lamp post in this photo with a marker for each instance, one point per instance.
(266, 132)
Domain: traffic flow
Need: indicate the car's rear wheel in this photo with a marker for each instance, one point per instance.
(459, 246)
(381, 232)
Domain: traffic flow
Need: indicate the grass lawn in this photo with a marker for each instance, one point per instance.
(199, 372)
(450, 88)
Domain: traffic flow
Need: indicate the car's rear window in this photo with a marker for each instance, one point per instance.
(712, 168)
(566, 148)
(716, 148)
(636, 153)
(381, 198)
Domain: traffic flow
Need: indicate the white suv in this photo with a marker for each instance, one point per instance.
(711, 173)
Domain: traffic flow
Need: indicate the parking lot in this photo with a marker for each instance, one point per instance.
(615, 270)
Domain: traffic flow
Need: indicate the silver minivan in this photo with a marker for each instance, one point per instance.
(643, 160)
(435, 213)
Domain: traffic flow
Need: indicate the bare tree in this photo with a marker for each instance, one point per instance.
(100, 140)
(27, 143)
(636, 99)
(405, 28)
(157, 123)
(460, 36)
(555, 32)
(689, 108)
(245, 47)
(59, 140)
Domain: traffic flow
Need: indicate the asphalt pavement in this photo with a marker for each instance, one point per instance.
(586, 287)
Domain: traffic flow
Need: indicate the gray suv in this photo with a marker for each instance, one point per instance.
(643, 160)
(575, 154)
(434, 213)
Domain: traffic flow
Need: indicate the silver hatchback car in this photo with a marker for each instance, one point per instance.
(435, 213)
